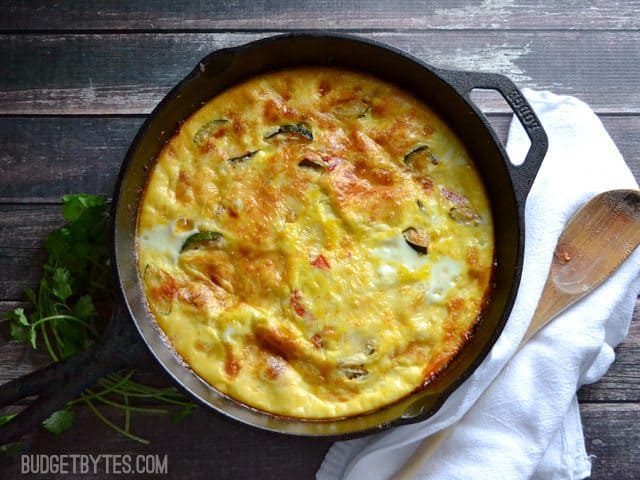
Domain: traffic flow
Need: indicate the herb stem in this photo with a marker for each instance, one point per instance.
(59, 317)
(64, 321)
(104, 391)
(160, 391)
(152, 395)
(127, 413)
(112, 425)
(122, 406)
(47, 343)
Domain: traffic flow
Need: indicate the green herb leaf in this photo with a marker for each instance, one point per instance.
(61, 286)
(19, 325)
(59, 421)
(73, 206)
(33, 339)
(63, 317)
(18, 316)
(84, 309)
(6, 417)
(57, 242)
(18, 332)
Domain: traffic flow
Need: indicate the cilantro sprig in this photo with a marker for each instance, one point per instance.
(67, 312)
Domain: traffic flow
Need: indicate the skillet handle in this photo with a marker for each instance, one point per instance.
(61, 382)
(522, 176)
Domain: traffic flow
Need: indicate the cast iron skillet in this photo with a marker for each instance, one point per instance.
(447, 92)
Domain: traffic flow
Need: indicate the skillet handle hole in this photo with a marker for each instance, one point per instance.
(500, 116)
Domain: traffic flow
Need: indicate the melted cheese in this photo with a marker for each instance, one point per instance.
(442, 279)
(309, 301)
(165, 240)
(397, 251)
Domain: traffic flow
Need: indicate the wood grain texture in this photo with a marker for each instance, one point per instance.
(622, 381)
(612, 436)
(328, 14)
(15, 358)
(206, 445)
(130, 73)
(44, 158)
(22, 229)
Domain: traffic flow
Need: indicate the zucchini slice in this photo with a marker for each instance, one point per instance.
(201, 237)
(420, 157)
(300, 129)
(308, 163)
(417, 239)
(461, 210)
(205, 130)
(245, 157)
(313, 160)
(354, 109)
(464, 214)
(354, 372)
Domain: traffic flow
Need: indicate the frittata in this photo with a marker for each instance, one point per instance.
(315, 243)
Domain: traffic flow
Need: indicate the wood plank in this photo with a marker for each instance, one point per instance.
(45, 158)
(204, 442)
(622, 381)
(333, 14)
(593, 66)
(18, 359)
(129, 73)
(613, 438)
(216, 445)
(22, 229)
(15, 358)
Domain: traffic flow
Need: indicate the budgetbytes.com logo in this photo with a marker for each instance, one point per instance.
(87, 464)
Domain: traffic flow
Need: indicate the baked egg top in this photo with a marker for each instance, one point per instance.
(315, 243)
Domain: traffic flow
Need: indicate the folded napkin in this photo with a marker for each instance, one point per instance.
(517, 416)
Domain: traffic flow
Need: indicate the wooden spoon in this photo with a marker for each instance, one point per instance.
(595, 242)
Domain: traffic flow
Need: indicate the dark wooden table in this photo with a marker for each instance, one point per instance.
(78, 78)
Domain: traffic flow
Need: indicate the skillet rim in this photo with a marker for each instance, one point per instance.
(448, 79)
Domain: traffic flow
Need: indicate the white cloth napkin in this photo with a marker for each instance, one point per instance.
(522, 421)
